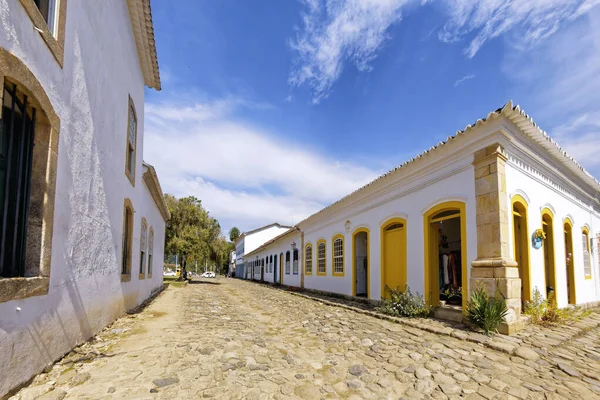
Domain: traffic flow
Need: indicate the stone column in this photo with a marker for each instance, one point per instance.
(494, 266)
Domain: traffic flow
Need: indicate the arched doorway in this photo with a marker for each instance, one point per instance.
(393, 255)
(568, 232)
(548, 248)
(446, 254)
(521, 245)
(360, 263)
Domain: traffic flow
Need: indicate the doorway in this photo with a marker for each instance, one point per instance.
(548, 247)
(281, 268)
(393, 255)
(360, 257)
(568, 232)
(445, 255)
(521, 246)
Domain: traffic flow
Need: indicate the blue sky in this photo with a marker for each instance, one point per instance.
(271, 110)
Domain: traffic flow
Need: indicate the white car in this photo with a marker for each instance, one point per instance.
(209, 274)
(169, 273)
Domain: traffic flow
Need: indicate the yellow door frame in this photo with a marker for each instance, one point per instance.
(431, 256)
(571, 282)
(356, 232)
(551, 253)
(391, 221)
(519, 201)
(281, 268)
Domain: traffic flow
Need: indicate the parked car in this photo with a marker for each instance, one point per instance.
(169, 273)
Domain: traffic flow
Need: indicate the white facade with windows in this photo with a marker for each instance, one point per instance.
(90, 225)
(443, 220)
(249, 241)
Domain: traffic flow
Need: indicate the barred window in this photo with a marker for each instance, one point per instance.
(308, 260)
(587, 265)
(321, 266)
(287, 263)
(338, 256)
(295, 262)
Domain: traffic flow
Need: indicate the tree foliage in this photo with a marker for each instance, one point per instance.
(193, 235)
(234, 233)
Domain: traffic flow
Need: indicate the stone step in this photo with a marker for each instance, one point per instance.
(448, 314)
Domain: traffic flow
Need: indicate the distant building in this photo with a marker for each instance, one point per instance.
(249, 241)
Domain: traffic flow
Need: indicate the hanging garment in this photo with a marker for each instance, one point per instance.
(455, 271)
(446, 278)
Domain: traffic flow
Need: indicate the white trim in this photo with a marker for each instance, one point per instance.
(447, 199)
(549, 207)
(522, 194)
(361, 226)
(404, 216)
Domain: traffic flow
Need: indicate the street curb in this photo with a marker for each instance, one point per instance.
(503, 346)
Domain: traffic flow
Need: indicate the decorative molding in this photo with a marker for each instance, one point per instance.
(140, 14)
(153, 185)
(461, 199)
(534, 173)
(522, 194)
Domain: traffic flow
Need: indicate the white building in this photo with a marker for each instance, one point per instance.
(248, 241)
(83, 217)
(464, 212)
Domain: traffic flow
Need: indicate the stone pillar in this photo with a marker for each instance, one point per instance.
(494, 266)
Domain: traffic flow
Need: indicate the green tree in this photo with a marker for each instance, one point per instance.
(234, 233)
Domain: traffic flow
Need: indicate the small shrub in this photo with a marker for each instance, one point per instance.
(545, 312)
(404, 303)
(485, 311)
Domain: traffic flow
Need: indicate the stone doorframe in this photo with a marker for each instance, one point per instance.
(494, 267)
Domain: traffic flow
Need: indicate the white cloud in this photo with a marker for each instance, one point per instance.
(339, 31)
(240, 172)
(531, 20)
(562, 76)
(335, 31)
(463, 79)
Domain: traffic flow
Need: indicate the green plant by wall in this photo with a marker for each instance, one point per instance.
(485, 311)
(545, 312)
(404, 303)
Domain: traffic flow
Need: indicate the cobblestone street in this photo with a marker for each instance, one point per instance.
(231, 339)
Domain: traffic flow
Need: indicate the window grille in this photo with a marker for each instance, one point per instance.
(16, 151)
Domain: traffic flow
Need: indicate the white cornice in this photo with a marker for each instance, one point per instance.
(143, 32)
(151, 180)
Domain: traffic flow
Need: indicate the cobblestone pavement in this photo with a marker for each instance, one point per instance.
(231, 339)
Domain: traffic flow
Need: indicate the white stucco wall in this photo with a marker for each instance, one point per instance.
(539, 188)
(90, 95)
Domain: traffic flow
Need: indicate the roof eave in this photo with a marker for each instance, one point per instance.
(140, 14)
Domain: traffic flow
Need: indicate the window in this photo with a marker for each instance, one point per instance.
(295, 262)
(321, 266)
(338, 256)
(271, 262)
(48, 10)
(143, 248)
(49, 18)
(131, 143)
(287, 263)
(27, 181)
(16, 147)
(275, 261)
(150, 251)
(127, 241)
(587, 264)
(308, 260)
